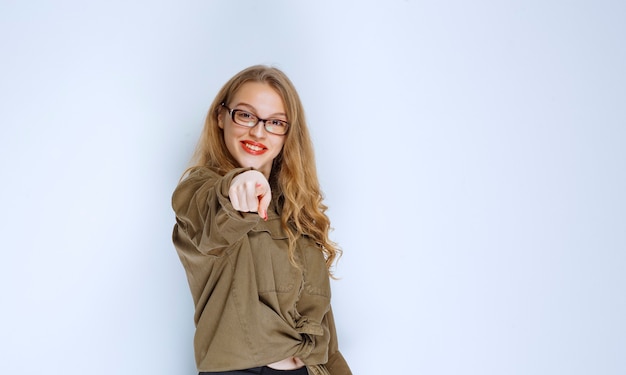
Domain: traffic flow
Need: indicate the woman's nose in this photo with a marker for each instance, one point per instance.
(258, 130)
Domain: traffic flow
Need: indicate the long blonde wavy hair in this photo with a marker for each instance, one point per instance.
(293, 177)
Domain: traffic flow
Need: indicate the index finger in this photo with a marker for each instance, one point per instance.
(265, 197)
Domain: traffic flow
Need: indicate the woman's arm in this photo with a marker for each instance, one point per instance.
(205, 214)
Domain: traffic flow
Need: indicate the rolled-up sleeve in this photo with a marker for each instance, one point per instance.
(204, 214)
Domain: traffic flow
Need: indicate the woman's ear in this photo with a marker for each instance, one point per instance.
(220, 117)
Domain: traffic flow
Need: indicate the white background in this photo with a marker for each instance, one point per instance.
(472, 153)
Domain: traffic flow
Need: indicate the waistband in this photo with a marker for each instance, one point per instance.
(264, 370)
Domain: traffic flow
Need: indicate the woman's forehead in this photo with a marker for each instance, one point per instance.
(259, 96)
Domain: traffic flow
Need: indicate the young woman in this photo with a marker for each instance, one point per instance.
(252, 234)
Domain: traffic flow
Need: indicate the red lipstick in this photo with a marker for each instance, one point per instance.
(253, 148)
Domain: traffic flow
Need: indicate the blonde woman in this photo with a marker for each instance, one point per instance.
(252, 234)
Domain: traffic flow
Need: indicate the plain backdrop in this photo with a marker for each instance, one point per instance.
(472, 154)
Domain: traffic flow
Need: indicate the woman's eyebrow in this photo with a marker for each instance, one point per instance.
(252, 109)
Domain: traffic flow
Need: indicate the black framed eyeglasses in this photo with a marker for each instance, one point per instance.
(250, 120)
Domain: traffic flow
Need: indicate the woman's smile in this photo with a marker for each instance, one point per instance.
(253, 148)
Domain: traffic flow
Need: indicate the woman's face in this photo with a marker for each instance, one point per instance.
(254, 147)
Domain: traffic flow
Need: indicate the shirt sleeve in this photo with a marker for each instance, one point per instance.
(336, 364)
(204, 214)
(316, 322)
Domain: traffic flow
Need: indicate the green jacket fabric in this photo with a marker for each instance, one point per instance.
(252, 306)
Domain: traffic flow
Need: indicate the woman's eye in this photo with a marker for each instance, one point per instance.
(245, 115)
(276, 123)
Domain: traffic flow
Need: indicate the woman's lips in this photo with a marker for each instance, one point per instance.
(253, 148)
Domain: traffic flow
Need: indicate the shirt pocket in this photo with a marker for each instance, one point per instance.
(275, 274)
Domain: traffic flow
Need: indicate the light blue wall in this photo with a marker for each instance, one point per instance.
(472, 154)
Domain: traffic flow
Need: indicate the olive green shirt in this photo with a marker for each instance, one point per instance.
(252, 306)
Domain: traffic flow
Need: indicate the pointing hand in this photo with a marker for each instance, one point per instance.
(250, 192)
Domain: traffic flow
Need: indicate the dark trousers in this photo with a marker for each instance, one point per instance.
(260, 371)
